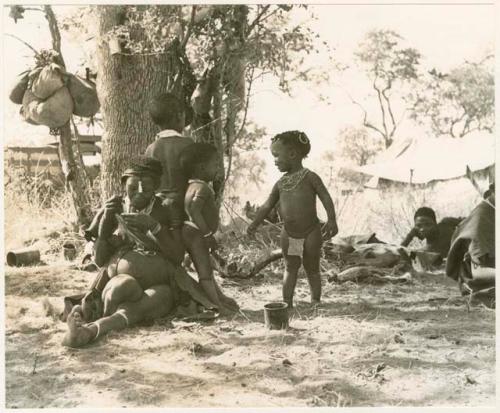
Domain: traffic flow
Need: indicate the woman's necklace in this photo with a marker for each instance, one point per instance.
(289, 182)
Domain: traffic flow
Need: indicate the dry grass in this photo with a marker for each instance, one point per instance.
(407, 344)
(367, 346)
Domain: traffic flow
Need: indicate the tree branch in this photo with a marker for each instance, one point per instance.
(382, 109)
(257, 19)
(389, 108)
(22, 41)
(54, 32)
(189, 28)
(454, 122)
(365, 116)
(249, 88)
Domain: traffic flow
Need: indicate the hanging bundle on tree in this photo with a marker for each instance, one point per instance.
(53, 112)
(19, 87)
(49, 95)
(84, 95)
(49, 81)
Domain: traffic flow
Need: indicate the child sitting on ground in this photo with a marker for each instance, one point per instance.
(199, 162)
(296, 192)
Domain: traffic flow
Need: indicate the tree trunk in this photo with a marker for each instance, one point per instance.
(73, 167)
(75, 177)
(125, 85)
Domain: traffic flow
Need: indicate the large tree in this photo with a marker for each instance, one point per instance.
(389, 65)
(458, 102)
(145, 50)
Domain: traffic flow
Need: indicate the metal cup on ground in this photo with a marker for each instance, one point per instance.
(69, 251)
(276, 315)
(23, 257)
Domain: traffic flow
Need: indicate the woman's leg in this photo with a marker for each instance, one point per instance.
(312, 253)
(156, 302)
(121, 288)
(292, 265)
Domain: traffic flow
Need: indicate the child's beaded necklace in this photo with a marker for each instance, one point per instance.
(289, 182)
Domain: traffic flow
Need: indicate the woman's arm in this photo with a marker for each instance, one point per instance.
(107, 225)
(171, 245)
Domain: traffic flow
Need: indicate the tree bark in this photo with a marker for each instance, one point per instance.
(75, 176)
(125, 85)
(73, 167)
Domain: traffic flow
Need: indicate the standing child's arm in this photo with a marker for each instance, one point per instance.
(265, 209)
(330, 229)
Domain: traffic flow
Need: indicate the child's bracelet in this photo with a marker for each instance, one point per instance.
(208, 235)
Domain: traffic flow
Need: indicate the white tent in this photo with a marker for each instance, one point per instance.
(423, 160)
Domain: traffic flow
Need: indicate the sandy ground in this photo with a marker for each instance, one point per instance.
(369, 345)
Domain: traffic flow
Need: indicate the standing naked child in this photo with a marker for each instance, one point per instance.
(296, 192)
(199, 162)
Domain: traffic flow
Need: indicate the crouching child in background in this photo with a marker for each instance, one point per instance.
(296, 192)
(199, 162)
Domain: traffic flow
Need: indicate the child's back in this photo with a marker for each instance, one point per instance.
(167, 148)
(167, 111)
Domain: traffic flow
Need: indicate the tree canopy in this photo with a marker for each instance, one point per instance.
(458, 102)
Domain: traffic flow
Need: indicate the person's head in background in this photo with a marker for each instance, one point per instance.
(425, 222)
(167, 111)
(289, 149)
(199, 161)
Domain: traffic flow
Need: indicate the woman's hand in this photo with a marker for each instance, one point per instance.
(140, 222)
(113, 206)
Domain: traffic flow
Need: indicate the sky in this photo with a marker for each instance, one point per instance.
(444, 35)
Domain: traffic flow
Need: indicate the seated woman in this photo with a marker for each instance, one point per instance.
(139, 254)
(437, 236)
(471, 260)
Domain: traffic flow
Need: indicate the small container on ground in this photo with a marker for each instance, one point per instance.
(276, 315)
(69, 251)
(23, 257)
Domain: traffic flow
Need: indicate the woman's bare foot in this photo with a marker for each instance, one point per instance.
(78, 333)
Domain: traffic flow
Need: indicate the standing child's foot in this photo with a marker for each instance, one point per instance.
(315, 303)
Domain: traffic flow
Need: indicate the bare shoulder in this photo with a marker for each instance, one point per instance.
(314, 178)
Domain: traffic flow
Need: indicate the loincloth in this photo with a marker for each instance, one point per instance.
(295, 244)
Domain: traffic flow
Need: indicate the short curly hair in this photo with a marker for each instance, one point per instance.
(425, 212)
(295, 139)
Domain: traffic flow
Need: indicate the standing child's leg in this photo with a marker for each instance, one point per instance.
(312, 253)
(292, 265)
